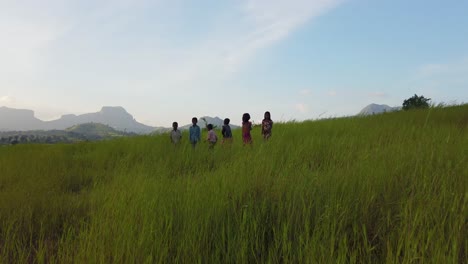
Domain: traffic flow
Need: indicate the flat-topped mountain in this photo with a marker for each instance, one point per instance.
(18, 119)
(116, 117)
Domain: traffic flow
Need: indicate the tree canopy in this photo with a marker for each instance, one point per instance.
(416, 102)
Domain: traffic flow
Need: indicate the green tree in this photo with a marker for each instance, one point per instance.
(416, 102)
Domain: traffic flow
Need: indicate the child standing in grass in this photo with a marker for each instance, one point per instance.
(212, 138)
(246, 128)
(267, 125)
(194, 132)
(176, 135)
(226, 131)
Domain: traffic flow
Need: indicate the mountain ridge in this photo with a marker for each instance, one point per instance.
(117, 117)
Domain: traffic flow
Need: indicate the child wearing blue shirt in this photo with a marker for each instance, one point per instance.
(194, 132)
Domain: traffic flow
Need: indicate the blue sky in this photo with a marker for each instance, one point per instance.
(169, 60)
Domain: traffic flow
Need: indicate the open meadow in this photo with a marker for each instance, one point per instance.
(389, 188)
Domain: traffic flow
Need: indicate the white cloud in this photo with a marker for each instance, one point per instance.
(301, 107)
(378, 94)
(332, 93)
(431, 69)
(7, 99)
(454, 71)
(305, 92)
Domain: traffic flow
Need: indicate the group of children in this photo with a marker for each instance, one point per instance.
(212, 138)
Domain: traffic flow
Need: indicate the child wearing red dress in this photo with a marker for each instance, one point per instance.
(246, 127)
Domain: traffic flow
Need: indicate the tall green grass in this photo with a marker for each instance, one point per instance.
(388, 188)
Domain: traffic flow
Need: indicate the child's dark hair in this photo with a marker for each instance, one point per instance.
(226, 121)
(195, 120)
(245, 117)
(269, 115)
(209, 126)
(175, 124)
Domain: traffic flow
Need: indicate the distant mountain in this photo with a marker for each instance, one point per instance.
(116, 117)
(18, 119)
(205, 120)
(377, 109)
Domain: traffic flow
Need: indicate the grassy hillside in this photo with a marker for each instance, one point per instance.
(96, 130)
(81, 132)
(388, 188)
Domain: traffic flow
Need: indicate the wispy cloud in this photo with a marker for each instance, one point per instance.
(332, 93)
(305, 92)
(301, 107)
(270, 21)
(431, 69)
(6, 99)
(458, 68)
(378, 94)
(435, 79)
(222, 53)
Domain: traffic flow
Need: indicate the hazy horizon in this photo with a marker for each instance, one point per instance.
(167, 61)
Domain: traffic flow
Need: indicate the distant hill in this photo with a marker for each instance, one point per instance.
(82, 132)
(116, 117)
(377, 109)
(96, 130)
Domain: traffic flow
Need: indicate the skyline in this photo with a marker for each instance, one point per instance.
(166, 61)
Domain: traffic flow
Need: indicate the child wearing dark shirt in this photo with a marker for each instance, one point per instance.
(226, 131)
(246, 128)
(267, 125)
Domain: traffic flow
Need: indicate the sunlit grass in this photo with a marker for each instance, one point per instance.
(388, 188)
